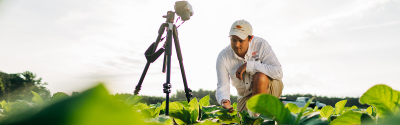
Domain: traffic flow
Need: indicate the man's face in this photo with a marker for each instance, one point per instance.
(240, 46)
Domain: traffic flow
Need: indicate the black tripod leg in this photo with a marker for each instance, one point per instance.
(150, 51)
(160, 32)
(179, 54)
(139, 85)
(168, 54)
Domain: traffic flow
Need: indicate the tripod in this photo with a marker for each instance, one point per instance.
(151, 56)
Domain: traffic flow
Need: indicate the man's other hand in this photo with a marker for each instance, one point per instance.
(240, 71)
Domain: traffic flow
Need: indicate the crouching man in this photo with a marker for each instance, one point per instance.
(250, 64)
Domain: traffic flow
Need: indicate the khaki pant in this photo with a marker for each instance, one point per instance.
(275, 88)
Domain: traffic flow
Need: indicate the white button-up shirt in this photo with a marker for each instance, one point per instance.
(259, 58)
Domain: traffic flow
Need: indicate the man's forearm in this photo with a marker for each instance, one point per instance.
(273, 71)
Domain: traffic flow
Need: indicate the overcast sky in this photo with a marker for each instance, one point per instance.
(330, 48)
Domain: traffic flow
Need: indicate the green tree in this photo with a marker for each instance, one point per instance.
(18, 86)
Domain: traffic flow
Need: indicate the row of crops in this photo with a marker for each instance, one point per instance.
(95, 106)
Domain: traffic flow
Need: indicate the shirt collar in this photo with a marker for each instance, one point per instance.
(250, 49)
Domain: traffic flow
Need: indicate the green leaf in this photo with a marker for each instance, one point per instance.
(141, 106)
(59, 96)
(383, 97)
(225, 116)
(133, 100)
(326, 111)
(353, 107)
(3, 104)
(366, 119)
(162, 119)
(270, 106)
(37, 99)
(194, 114)
(184, 103)
(91, 107)
(163, 105)
(145, 113)
(391, 120)
(205, 101)
(308, 112)
(302, 110)
(234, 105)
(258, 121)
(339, 106)
(16, 107)
(194, 110)
(179, 122)
(369, 110)
(151, 112)
(348, 118)
(7, 107)
(183, 115)
(194, 104)
(312, 119)
(316, 108)
(158, 104)
(175, 106)
(292, 108)
(208, 109)
(246, 118)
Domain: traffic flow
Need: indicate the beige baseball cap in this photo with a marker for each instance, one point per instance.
(241, 28)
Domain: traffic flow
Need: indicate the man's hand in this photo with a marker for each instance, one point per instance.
(226, 104)
(240, 71)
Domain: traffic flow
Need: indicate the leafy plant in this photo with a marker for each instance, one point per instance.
(384, 98)
(270, 106)
(348, 118)
(37, 99)
(59, 96)
(326, 112)
(292, 108)
(339, 107)
(96, 106)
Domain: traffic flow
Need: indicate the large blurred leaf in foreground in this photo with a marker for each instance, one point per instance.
(384, 98)
(93, 106)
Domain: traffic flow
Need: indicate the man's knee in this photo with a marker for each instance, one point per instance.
(260, 78)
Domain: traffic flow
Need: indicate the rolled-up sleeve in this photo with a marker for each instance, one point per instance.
(223, 87)
(268, 64)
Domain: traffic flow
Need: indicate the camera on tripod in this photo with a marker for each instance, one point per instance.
(184, 10)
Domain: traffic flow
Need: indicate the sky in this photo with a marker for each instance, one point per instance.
(333, 48)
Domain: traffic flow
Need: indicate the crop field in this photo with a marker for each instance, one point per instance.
(96, 106)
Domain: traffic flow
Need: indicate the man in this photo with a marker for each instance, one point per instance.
(251, 65)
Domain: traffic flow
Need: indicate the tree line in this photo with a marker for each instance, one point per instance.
(18, 86)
